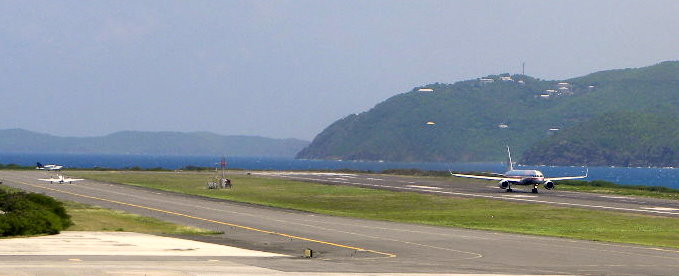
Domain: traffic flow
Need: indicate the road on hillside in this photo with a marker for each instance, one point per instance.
(355, 245)
(488, 189)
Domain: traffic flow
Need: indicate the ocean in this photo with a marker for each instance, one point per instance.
(668, 177)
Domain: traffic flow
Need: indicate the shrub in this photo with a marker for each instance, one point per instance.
(31, 214)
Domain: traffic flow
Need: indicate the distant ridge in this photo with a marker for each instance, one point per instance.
(472, 120)
(149, 143)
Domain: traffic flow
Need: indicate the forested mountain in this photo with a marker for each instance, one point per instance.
(472, 120)
(154, 143)
(622, 138)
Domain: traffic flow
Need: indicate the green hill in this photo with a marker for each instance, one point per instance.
(152, 143)
(629, 139)
(468, 115)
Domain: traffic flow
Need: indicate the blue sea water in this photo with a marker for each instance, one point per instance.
(668, 177)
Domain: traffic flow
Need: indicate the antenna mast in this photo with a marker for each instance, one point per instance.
(223, 165)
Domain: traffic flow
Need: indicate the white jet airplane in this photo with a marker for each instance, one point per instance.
(521, 177)
(61, 179)
(48, 167)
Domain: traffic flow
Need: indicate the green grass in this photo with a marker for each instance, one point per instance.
(91, 218)
(410, 207)
(605, 187)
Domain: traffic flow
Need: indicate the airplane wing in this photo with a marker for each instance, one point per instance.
(478, 176)
(72, 179)
(49, 179)
(567, 177)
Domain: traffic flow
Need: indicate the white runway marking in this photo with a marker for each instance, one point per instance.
(370, 178)
(425, 187)
(305, 174)
(617, 197)
(660, 208)
(520, 196)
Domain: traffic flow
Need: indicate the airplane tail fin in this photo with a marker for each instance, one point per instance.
(510, 167)
(39, 165)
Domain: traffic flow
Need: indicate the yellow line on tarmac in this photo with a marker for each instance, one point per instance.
(389, 255)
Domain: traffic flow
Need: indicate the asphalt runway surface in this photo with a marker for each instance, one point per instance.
(347, 245)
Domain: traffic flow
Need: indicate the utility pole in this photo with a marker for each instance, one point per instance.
(223, 165)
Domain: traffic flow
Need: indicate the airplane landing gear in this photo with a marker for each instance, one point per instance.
(535, 189)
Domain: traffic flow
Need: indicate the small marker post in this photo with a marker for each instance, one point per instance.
(308, 253)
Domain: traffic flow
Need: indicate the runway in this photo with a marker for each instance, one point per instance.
(488, 189)
(346, 245)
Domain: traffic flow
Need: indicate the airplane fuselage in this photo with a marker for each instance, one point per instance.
(525, 177)
(48, 167)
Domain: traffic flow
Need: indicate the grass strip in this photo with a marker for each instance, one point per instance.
(486, 214)
(605, 187)
(91, 218)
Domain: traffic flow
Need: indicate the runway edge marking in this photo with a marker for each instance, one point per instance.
(388, 255)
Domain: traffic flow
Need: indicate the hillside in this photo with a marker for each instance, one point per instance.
(474, 119)
(151, 143)
(623, 138)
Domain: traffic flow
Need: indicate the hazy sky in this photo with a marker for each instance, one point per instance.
(290, 68)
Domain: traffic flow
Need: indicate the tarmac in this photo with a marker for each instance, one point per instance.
(342, 246)
(85, 243)
(122, 253)
(126, 253)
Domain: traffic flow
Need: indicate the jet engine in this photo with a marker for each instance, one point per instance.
(549, 185)
(503, 184)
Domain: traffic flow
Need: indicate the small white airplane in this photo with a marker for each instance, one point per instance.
(521, 177)
(48, 167)
(61, 179)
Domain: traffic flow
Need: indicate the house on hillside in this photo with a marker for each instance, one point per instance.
(565, 91)
(486, 80)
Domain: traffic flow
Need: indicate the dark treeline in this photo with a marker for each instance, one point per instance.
(15, 167)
